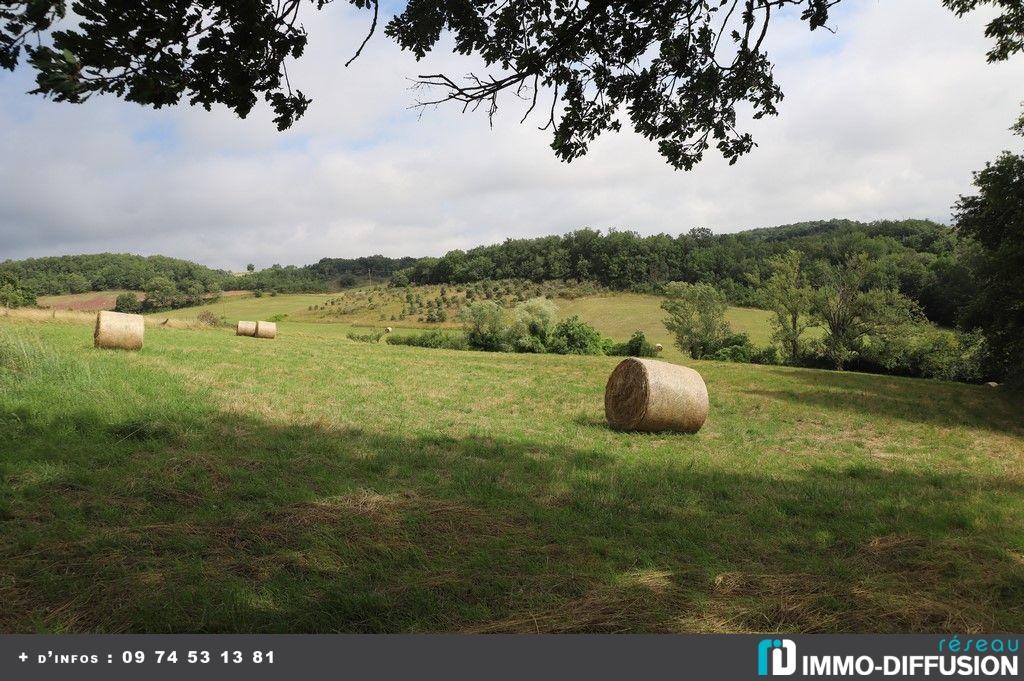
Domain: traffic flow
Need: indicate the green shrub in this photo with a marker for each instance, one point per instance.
(768, 355)
(636, 346)
(485, 326)
(736, 347)
(366, 337)
(927, 351)
(445, 340)
(127, 302)
(574, 336)
(533, 325)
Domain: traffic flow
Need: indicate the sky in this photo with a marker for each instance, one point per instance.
(886, 117)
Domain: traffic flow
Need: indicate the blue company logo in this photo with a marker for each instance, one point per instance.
(776, 657)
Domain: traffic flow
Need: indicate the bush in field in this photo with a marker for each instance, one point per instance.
(696, 318)
(127, 302)
(485, 327)
(436, 313)
(574, 336)
(636, 346)
(736, 347)
(929, 352)
(445, 340)
(533, 325)
(207, 318)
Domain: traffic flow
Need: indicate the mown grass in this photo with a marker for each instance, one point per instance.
(311, 484)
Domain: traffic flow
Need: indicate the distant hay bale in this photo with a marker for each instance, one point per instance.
(387, 330)
(266, 330)
(119, 330)
(651, 395)
(245, 329)
(658, 347)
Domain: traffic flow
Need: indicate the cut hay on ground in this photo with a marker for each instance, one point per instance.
(118, 330)
(266, 330)
(245, 329)
(651, 395)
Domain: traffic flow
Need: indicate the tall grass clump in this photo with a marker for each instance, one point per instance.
(23, 354)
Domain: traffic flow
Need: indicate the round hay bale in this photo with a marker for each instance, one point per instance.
(266, 330)
(387, 330)
(651, 395)
(658, 347)
(245, 329)
(119, 330)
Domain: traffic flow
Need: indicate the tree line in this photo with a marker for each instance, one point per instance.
(169, 282)
(924, 260)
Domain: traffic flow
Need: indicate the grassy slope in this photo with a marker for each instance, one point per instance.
(616, 315)
(238, 307)
(620, 314)
(219, 483)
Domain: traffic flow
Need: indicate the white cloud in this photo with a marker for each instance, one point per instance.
(886, 118)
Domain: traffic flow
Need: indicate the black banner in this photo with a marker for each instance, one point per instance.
(453, 658)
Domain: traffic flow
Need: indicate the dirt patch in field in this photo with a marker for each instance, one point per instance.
(82, 303)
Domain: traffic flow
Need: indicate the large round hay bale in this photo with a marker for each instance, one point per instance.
(245, 329)
(119, 330)
(651, 395)
(266, 329)
(658, 347)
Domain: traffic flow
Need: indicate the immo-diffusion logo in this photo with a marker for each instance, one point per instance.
(776, 657)
(971, 657)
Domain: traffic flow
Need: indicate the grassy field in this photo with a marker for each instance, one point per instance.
(214, 483)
